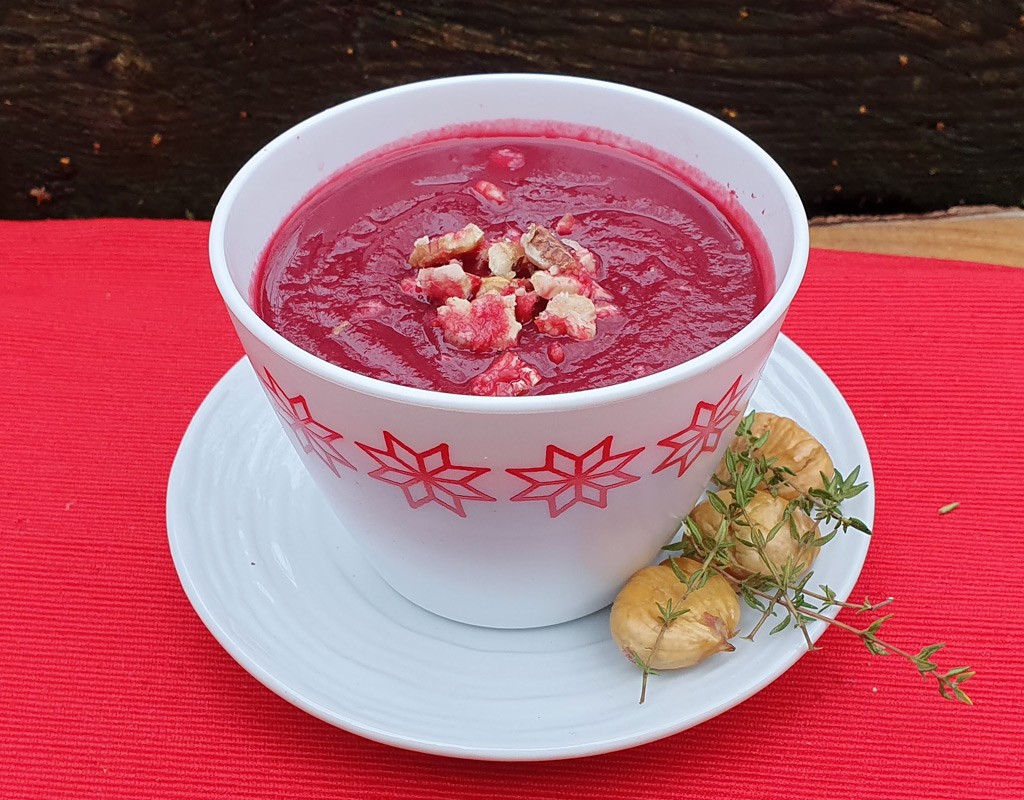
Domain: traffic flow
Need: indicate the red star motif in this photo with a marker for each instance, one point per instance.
(705, 429)
(427, 477)
(566, 479)
(312, 436)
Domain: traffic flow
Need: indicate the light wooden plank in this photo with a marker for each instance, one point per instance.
(990, 238)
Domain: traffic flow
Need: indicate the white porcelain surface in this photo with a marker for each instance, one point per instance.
(294, 601)
(468, 503)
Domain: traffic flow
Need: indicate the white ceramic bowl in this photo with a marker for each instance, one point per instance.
(507, 512)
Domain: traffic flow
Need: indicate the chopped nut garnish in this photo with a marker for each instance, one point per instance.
(570, 280)
(508, 158)
(565, 225)
(427, 252)
(569, 315)
(495, 284)
(583, 255)
(450, 280)
(489, 191)
(487, 323)
(502, 258)
(545, 250)
(536, 270)
(507, 376)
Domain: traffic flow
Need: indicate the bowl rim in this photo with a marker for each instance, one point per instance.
(239, 307)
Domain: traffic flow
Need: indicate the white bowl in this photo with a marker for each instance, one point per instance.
(523, 511)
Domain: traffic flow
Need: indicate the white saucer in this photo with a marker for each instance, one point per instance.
(260, 558)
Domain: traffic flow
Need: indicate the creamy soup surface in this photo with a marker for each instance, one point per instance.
(609, 267)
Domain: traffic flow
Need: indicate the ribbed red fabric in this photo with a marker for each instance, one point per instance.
(111, 333)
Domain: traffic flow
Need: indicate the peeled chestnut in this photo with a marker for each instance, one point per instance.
(762, 513)
(711, 617)
(791, 446)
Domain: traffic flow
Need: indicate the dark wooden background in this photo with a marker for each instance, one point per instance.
(141, 108)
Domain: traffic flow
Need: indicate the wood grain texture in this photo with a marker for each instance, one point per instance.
(124, 107)
(990, 238)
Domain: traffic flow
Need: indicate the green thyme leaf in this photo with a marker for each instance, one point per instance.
(781, 626)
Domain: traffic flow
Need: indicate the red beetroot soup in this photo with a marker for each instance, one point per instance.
(661, 272)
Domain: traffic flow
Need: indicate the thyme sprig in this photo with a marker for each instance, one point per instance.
(786, 588)
(667, 614)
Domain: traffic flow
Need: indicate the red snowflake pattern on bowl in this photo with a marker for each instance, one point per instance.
(705, 430)
(566, 479)
(426, 477)
(312, 436)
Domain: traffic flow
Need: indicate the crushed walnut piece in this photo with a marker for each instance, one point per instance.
(507, 376)
(496, 284)
(567, 280)
(427, 252)
(485, 324)
(449, 280)
(503, 257)
(545, 250)
(489, 191)
(583, 255)
(569, 315)
(508, 158)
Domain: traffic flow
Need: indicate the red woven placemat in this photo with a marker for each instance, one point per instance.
(110, 686)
